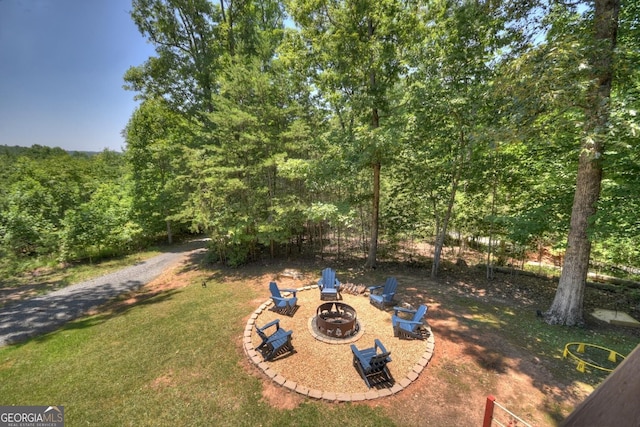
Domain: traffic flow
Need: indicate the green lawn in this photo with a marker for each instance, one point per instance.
(175, 359)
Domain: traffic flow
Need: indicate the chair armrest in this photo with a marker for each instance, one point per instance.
(371, 288)
(410, 322)
(380, 345)
(268, 325)
(293, 291)
(403, 310)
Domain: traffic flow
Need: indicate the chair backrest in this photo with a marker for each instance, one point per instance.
(379, 360)
(273, 287)
(380, 357)
(420, 312)
(390, 286)
(328, 278)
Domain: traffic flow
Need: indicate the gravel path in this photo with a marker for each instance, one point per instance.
(24, 319)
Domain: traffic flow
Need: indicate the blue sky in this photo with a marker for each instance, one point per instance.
(61, 68)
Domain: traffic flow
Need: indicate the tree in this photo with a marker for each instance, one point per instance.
(45, 183)
(101, 226)
(156, 137)
(186, 35)
(616, 231)
(566, 308)
(215, 67)
(43, 192)
(450, 104)
(353, 54)
(194, 40)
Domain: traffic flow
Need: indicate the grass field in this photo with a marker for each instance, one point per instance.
(174, 357)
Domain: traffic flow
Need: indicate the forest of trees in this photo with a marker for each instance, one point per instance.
(265, 124)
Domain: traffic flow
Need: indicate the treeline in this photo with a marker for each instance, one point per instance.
(265, 124)
(60, 206)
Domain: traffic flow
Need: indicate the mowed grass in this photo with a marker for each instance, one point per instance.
(174, 359)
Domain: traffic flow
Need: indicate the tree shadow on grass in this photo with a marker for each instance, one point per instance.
(471, 322)
(120, 307)
(41, 325)
(470, 313)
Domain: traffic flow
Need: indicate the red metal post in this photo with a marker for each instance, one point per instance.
(488, 411)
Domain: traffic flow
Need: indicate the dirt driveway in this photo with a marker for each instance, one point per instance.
(22, 319)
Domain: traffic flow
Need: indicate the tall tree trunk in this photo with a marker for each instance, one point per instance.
(567, 305)
(490, 272)
(169, 233)
(228, 18)
(375, 124)
(442, 233)
(373, 244)
(363, 231)
(321, 242)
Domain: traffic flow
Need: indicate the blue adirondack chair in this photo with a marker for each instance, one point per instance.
(286, 306)
(382, 295)
(275, 344)
(329, 285)
(412, 328)
(371, 364)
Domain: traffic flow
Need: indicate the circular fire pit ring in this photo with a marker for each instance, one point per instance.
(336, 320)
(341, 382)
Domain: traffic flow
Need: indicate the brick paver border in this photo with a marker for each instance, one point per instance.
(332, 396)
